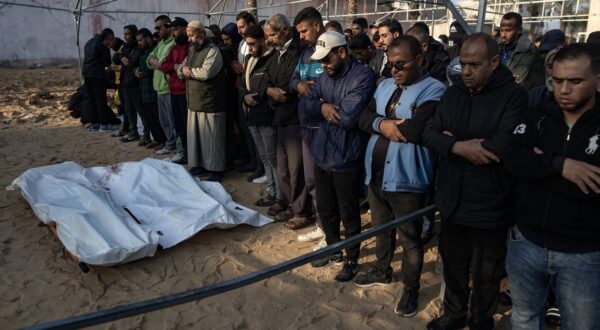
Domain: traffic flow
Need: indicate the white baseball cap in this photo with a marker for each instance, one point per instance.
(326, 42)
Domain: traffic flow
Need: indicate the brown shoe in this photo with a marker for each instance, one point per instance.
(283, 216)
(279, 206)
(152, 145)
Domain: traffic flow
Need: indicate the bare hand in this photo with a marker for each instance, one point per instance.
(277, 94)
(186, 71)
(584, 175)
(304, 87)
(249, 100)
(125, 60)
(237, 67)
(138, 73)
(473, 151)
(153, 62)
(389, 129)
(330, 113)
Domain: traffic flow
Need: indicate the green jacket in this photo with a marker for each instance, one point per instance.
(160, 80)
(526, 64)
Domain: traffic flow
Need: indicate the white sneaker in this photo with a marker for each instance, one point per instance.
(262, 179)
(177, 158)
(164, 151)
(313, 235)
(322, 244)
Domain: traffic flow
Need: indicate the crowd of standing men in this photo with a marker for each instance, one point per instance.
(501, 134)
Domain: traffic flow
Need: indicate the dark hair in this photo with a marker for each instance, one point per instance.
(262, 23)
(348, 31)
(393, 25)
(593, 38)
(246, 16)
(376, 36)
(335, 25)
(116, 44)
(575, 51)
(362, 22)
(516, 16)
(409, 41)
(443, 38)
(215, 29)
(360, 41)
(255, 32)
(144, 32)
(106, 33)
(155, 35)
(163, 18)
(419, 32)
(490, 43)
(309, 15)
(131, 27)
(423, 26)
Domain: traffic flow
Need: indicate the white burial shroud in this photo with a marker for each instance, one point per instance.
(88, 205)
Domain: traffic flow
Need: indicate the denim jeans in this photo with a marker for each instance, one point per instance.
(265, 140)
(575, 278)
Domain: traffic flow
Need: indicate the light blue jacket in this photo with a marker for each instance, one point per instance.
(408, 166)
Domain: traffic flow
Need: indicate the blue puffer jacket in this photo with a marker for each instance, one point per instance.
(340, 147)
(306, 69)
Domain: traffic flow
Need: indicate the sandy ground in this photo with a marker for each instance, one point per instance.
(38, 284)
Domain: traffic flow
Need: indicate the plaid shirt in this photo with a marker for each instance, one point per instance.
(146, 86)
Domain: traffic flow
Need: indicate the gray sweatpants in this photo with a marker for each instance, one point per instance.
(165, 117)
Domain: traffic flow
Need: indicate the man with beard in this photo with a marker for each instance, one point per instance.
(399, 168)
(169, 67)
(470, 131)
(309, 24)
(555, 244)
(203, 73)
(145, 74)
(518, 53)
(388, 31)
(436, 59)
(96, 59)
(129, 59)
(161, 84)
(284, 102)
(360, 26)
(337, 100)
(258, 114)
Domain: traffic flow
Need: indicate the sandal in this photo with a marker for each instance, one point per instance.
(266, 201)
(277, 207)
(297, 223)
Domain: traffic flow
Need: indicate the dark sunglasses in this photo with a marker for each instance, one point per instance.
(157, 28)
(329, 56)
(398, 65)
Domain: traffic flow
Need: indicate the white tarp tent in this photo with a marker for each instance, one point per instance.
(88, 207)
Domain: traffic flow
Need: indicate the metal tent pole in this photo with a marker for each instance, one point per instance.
(481, 15)
(77, 13)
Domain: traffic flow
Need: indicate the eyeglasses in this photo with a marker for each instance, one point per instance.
(398, 65)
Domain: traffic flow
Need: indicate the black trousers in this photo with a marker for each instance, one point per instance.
(96, 109)
(385, 207)
(290, 169)
(480, 253)
(245, 132)
(150, 113)
(179, 108)
(132, 101)
(337, 201)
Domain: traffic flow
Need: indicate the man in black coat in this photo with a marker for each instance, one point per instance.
(96, 59)
(556, 243)
(474, 193)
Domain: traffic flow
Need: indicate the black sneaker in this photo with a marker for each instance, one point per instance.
(198, 171)
(445, 322)
(348, 272)
(374, 277)
(407, 307)
(553, 317)
(325, 261)
(256, 174)
(215, 177)
(130, 138)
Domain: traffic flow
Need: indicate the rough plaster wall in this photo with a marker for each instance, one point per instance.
(40, 34)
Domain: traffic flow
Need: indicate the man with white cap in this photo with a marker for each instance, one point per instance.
(203, 73)
(337, 100)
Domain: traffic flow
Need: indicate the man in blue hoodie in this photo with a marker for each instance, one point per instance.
(336, 101)
(399, 168)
